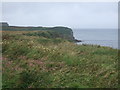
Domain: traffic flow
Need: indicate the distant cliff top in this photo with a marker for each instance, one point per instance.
(61, 31)
(4, 24)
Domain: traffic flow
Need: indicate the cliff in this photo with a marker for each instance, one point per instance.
(4, 24)
(50, 32)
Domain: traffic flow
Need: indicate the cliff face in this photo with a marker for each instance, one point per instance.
(65, 32)
(60, 32)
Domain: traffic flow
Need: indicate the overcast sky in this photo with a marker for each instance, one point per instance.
(74, 15)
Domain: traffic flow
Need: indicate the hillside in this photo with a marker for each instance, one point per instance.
(31, 60)
(60, 32)
(42, 57)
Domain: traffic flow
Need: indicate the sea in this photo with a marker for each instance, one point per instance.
(102, 37)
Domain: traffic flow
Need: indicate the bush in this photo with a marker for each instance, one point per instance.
(26, 78)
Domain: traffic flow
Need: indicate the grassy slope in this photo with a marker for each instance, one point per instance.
(33, 61)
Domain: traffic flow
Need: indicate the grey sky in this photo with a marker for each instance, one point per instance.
(74, 15)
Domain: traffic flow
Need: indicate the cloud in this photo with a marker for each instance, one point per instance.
(74, 15)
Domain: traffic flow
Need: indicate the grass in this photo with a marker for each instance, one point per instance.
(32, 61)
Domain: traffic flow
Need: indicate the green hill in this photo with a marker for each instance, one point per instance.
(46, 57)
(33, 60)
(50, 32)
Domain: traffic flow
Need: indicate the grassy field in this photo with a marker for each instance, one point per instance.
(33, 60)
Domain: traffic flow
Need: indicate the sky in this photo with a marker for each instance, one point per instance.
(74, 15)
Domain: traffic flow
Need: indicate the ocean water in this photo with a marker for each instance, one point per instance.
(102, 37)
